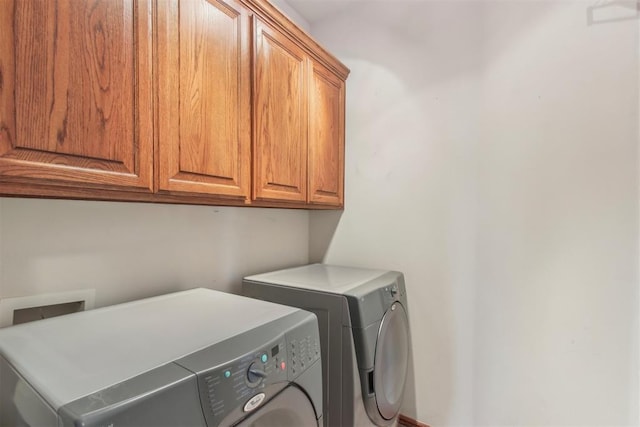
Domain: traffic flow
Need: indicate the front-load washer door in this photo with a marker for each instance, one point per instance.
(391, 360)
(290, 408)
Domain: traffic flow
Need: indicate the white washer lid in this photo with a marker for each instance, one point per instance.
(322, 277)
(68, 357)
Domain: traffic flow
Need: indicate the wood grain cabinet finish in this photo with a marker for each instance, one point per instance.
(75, 93)
(280, 117)
(204, 123)
(220, 102)
(326, 136)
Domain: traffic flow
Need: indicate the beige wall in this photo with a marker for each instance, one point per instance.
(557, 292)
(492, 155)
(131, 250)
(293, 14)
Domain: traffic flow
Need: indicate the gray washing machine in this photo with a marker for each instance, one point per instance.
(192, 358)
(364, 335)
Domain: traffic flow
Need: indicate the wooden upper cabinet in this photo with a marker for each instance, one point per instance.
(326, 137)
(178, 101)
(76, 93)
(204, 94)
(280, 117)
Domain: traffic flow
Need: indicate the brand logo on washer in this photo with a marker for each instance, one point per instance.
(254, 402)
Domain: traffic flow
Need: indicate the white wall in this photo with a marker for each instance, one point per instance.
(492, 156)
(557, 289)
(131, 250)
(292, 14)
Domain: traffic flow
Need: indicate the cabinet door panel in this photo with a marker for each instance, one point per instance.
(75, 92)
(204, 71)
(326, 137)
(280, 114)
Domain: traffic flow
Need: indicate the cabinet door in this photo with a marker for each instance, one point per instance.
(204, 97)
(75, 93)
(326, 137)
(280, 118)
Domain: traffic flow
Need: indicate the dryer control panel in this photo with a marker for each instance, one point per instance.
(369, 302)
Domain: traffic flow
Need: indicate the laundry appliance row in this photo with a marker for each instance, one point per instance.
(316, 345)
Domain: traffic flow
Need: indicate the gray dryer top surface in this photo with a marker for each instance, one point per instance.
(72, 356)
(328, 278)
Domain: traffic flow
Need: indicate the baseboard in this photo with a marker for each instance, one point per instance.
(405, 421)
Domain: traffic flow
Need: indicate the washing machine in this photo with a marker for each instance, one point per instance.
(191, 358)
(364, 335)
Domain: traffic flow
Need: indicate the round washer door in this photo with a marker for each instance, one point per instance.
(290, 408)
(391, 360)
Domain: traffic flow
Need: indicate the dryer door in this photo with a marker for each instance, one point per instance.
(290, 408)
(391, 360)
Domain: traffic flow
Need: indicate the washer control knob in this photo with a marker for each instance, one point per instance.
(394, 290)
(255, 373)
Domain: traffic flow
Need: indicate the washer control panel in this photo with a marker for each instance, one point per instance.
(234, 389)
(242, 374)
(244, 383)
(303, 351)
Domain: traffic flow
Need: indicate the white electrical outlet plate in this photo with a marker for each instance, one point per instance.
(9, 305)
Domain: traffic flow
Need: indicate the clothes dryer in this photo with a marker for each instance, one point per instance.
(192, 358)
(364, 335)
